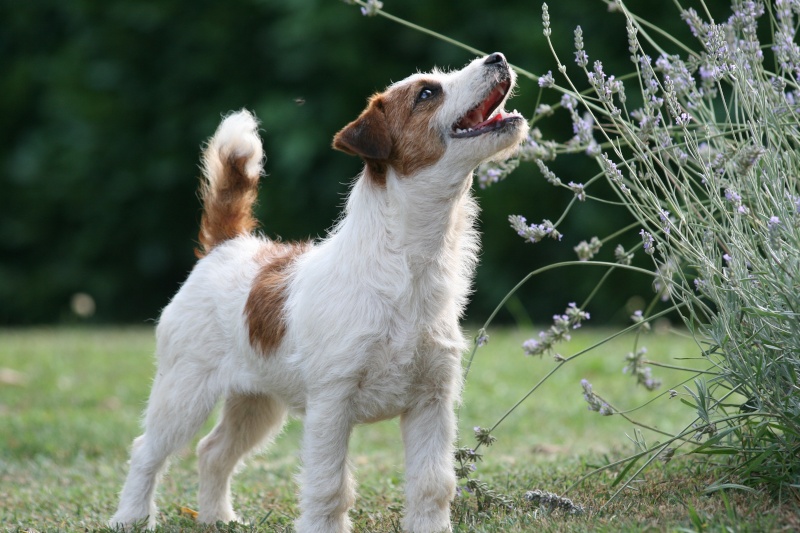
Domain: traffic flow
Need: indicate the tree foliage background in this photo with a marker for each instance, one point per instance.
(104, 106)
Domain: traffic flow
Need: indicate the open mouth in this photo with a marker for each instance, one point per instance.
(482, 118)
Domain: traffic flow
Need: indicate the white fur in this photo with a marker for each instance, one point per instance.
(236, 135)
(372, 332)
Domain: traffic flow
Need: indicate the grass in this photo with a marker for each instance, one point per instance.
(70, 401)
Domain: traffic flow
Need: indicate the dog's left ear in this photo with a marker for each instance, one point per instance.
(367, 136)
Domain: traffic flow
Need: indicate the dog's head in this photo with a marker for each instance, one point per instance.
(455, 119)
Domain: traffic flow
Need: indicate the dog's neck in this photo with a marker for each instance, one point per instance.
(419, 217)
(422, 229)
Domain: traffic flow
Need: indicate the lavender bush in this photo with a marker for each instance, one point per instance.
(707, 162)
(702, 149)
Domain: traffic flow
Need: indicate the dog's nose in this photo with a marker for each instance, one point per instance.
(496, 57)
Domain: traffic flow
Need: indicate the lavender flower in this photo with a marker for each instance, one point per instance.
(683, 119)
(533, 347)
(595, 403)
(662, 284)
(581, 58)
(482, 339)
(533, 148)
(773, 226)
(647, 242)
(546, 20)
(696, 24)
(682, 80)
(546, 81)
(562, 324)
(633, 42)
(587, 250)
(535, 232)
(488, 175)
(553, 501)
(372, 8)
(611, 170)
(664, 215)
(643, 374)
(621, 256)
(582, 127)
(649, 80)
(736, 199)
(483, 436)
(732, 196)
(569, 102)
(605, 87)
(576, 315)
(578, 189)
(548, 174)
(580, 54)
(638, 318)
(786, 49)
(492, 172)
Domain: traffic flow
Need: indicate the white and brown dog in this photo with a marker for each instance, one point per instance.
(359, 327)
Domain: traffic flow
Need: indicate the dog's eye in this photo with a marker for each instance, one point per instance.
(426, 93)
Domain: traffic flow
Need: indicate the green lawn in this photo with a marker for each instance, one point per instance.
(70, 402)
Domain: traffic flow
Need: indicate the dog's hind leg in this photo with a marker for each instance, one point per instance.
(176, 410)
(246, 422)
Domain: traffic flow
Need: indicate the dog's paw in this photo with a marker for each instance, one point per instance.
(128, 523)
(433, 522)
(224, 517)
(323, 524)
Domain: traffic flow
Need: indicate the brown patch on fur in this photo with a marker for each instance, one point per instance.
(416, 143)
(395, 130)
(227, 204)
(368, 135)
(265, 305)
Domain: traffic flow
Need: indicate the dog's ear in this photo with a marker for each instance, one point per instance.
(367, 136)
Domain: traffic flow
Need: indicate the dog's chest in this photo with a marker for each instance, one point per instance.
(395, 375)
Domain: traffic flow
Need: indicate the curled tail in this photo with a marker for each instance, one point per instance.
(232, 163)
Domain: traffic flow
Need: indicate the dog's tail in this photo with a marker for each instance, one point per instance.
(232, 163)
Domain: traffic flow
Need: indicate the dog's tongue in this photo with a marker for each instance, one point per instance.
(480, 116)
(495, 118)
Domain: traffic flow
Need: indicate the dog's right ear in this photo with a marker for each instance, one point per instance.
(367, 136)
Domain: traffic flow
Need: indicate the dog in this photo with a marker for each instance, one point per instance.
(359, 327)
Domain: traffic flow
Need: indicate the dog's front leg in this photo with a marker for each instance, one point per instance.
(428, 434)
(326, 486)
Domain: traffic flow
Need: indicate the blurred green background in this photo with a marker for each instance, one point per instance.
(104, 106)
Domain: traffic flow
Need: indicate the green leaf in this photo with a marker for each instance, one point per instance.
(714, 487)
(624, 471)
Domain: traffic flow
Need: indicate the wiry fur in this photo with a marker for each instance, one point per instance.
(359, 327)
